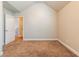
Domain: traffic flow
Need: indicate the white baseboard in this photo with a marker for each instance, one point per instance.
(39, 39)
(1, 53)
(71, 49)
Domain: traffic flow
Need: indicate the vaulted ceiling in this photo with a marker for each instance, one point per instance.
(21, 5)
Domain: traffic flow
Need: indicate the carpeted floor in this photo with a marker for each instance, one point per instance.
(37, 49)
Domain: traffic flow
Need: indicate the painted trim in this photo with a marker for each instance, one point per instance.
(40, 39)
(68, 47)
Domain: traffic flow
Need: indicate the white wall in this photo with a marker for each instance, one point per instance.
(39, 22)
(1, 28)
(69, 25)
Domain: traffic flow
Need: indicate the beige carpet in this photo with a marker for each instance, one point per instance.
(37, 49)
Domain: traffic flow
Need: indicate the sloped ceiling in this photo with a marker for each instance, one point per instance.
(57, 5)
(21, 5)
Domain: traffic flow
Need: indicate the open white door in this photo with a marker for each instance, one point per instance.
(9, 28)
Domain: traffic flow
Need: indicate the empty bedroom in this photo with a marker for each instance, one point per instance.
(39, 28)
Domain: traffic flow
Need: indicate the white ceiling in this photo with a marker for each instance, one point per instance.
(21, 5)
